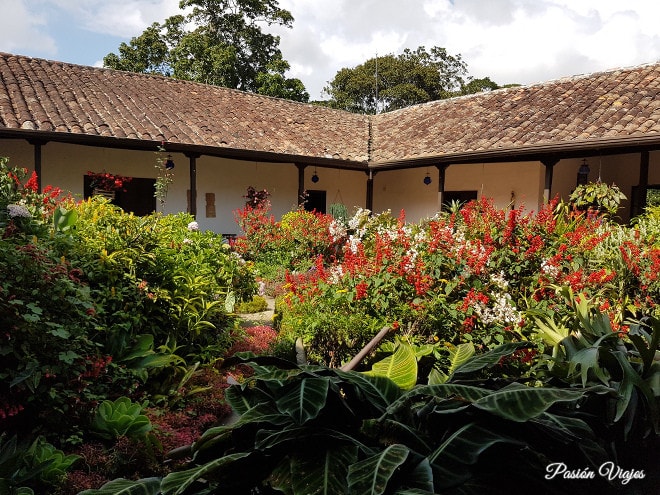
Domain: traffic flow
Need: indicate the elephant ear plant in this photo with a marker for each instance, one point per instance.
(316, 430)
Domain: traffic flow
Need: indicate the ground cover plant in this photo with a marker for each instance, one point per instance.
(513, 339)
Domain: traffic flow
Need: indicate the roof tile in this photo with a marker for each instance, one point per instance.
(37, 94)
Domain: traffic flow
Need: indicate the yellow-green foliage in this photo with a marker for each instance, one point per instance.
(256, 305)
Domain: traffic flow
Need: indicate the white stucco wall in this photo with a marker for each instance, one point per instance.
(65, 166)
(508, 184)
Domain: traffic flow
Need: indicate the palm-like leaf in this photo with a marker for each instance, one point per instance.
(371, 476)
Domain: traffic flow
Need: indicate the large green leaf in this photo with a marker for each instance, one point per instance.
(400, 367)
(388, 431)
(241, 400)
(371, 475)
(451, 460)
(467, 443)
(261, 413)
(572, 431)
(304, 399)
(268, 439)
(323, 473)
(459, 354)
(281, 478)
(520, 403)
(378, 390)
(146, 486)
(422, 394)
(178, 482)
(585, 360)
(490, 358)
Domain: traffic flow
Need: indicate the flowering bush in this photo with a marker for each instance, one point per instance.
(472, 275)
(291, 242)
(108, 182)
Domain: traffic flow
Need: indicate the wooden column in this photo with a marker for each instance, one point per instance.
(442, 169)
(37, 159)
(301, 183)
(549, 164)
(192, 157)
(370, 191)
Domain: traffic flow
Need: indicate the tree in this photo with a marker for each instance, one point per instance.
(218, 42)
(408, 79)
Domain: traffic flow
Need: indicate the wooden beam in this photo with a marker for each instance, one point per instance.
(369, 203)
(37, 144)
(549, 164)
(442, 169)
(301, 183)
(192, 157)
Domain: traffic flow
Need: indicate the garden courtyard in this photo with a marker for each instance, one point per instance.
(481, 350)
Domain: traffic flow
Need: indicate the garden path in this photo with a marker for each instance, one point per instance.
(261, 318)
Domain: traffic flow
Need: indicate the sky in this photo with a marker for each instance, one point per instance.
(510, 41)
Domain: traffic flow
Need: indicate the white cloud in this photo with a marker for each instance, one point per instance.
(521, 41)
(22, 31)
(124, 18)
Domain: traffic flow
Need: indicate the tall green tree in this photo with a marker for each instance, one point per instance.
(218, 42)
(391, 82)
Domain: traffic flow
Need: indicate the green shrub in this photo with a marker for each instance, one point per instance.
(256, 305)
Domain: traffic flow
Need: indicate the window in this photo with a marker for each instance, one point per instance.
(461, 197)
(136, 196)
(315, 201)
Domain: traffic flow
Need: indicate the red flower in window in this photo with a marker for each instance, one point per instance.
(108, 182)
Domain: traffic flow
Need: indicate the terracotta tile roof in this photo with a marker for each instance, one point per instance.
(43, 95)
(55, 97)
(623, 103)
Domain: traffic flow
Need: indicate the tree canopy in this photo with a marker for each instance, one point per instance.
(391, 82)
(218, 42)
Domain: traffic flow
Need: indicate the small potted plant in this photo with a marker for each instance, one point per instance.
(597, 197)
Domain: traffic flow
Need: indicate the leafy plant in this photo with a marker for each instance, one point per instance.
(310, 429)
(588, 351)
(598, 196)
(64, 219)
(120, 418)
(164, 176)
(24, 468)
(52, 462)
(339, 212)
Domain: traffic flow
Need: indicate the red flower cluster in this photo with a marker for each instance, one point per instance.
(108, 182)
